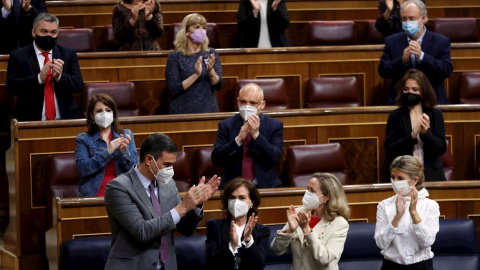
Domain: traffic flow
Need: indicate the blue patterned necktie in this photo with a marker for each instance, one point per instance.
(412, 58)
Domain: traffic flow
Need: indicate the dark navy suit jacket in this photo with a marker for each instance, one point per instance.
(219, 255)
(22, 80)
(266, 150)
(436, 63)
(399, 142)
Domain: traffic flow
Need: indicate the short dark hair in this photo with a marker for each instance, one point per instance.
(429, 99)
(235, 183)
(108, 101)
(155, 144)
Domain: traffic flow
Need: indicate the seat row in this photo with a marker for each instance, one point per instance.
(455, 247)
(320, 33)
(321, 92)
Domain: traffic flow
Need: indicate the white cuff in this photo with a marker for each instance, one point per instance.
(234, 251)
(249, 244)
(5, 13)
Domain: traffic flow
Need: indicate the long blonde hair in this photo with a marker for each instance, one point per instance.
(337, 205)
(181, 43)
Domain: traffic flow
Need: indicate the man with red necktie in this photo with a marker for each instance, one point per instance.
(44, 75)
(249, 144)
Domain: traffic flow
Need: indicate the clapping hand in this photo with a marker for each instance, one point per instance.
(210, 63)
(57, 68)
(303, 220)
(275, 4)
(424, 123)
(198, 66)
(255, 6)
(149, 7)
(292, 219)
(210, 187)
(247, 232)
(124, 144)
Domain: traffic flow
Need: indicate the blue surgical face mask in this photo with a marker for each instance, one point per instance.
(410, 27)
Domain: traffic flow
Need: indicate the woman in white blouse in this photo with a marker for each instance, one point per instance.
(316, 232)
(407, 222)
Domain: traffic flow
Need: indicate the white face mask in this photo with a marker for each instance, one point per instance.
(311, 201)
(238, 208)
(401, 185)
(247, 110)
(164, 175)
(104, 119)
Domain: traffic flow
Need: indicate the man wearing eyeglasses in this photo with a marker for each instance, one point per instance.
(416, 48)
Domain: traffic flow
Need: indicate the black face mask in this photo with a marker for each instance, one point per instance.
(45, 43)
(411, 99)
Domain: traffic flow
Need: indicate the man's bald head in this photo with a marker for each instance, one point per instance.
(251, 94)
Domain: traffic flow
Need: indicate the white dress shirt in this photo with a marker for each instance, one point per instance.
(264, 39)
(41, 59)
(409, 243)
(239, 230)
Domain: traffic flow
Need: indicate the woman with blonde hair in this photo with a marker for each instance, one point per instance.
(407, 222)
(193, 70)
(316, 232)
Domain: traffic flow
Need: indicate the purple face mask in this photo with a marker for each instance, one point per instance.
(198, 36)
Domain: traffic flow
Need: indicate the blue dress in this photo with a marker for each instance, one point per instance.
(200, 97)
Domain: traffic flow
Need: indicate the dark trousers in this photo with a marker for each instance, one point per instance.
(423, 265)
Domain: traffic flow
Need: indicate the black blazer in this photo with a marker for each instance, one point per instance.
(399, 142)
(249, 26)
(219, 255)
(266, 150)
(436, 63)
(21, 31)
(22, 80)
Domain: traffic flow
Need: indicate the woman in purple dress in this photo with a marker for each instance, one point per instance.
(137, 24)
(193, 70)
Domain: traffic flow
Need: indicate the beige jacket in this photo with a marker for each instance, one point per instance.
(320, 250)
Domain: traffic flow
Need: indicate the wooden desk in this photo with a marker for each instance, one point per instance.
(76, 218)
(361, 132)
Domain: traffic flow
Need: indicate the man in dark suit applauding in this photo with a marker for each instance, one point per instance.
(144, 209)
(416, 48)
(249, 144)
(44, 75)
(16, 22)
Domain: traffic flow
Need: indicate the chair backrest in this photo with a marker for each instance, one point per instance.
(323, 33)
(212, 34)
(274, 92)
(182, 176)
(448, 164)
(305, 160)
(324, 92)
(357, 256)
(63, 176)
(469, 86)
(62, 180)
(373, 35)
(457, 29)
(456, 245)
(274, 262)
(80, 39)
(109, 42)
(204, 165)
(123, 93)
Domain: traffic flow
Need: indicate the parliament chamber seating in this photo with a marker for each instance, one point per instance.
(305, 160)
(457, 29)
(182, 175)
(325, 33)
(80, 39)
(204, 166)
(274, 92)
(325, 92)
(373, 36)
(447, 161)
(469, 88)
(123, 93)
(109, 42)
(212, 34)
(63, 179)
(455, 247)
